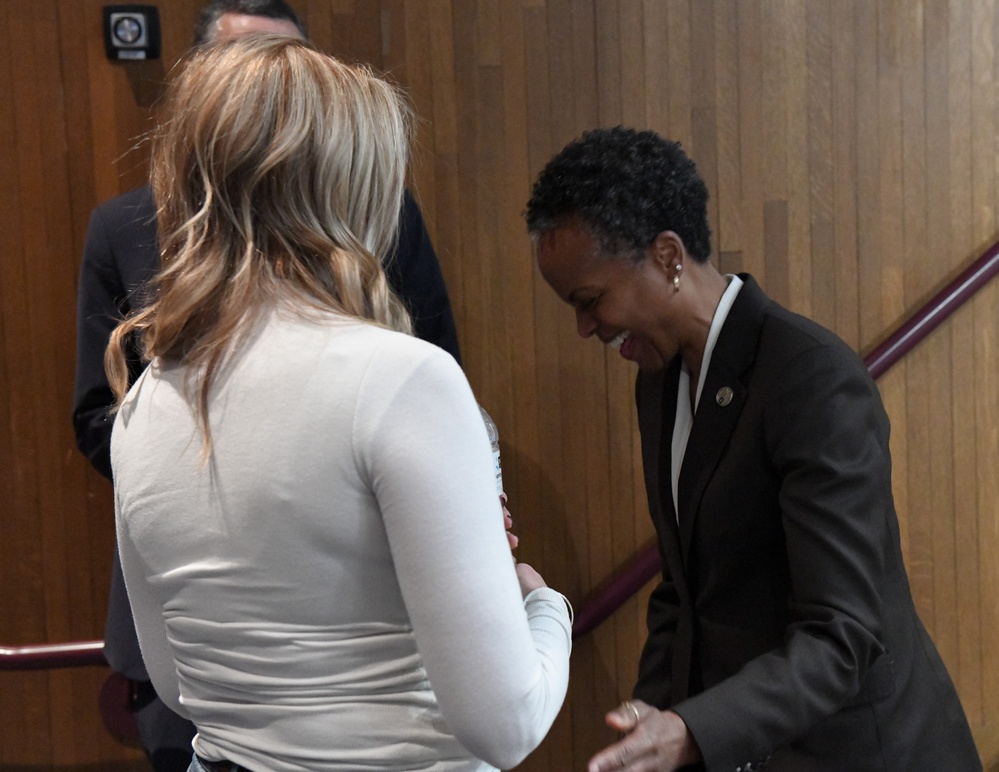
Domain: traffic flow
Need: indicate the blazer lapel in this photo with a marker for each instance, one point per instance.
(656, 399)
(721, 402)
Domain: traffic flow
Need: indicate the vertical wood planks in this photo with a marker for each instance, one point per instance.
(850, 153)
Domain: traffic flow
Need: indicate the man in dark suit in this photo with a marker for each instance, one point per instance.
(783, 634)
(120, 257)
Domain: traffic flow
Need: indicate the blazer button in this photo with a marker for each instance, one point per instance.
(723, 398)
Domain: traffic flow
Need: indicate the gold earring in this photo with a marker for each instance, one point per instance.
(676, 278)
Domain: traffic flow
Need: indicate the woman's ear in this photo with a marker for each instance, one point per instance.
(667, 251)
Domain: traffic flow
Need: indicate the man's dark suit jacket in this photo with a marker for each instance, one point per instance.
(784, 626)
(120, 256)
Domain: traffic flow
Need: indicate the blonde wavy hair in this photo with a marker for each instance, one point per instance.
(278, 177)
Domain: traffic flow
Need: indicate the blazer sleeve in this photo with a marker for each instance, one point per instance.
(99, 295)
(655, 667)
(120, 256)
(826, 434)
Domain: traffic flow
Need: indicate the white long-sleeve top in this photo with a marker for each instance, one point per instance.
(333, 589)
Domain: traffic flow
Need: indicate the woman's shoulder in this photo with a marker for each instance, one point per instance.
(365, 344)
(401, 352)
(790, 336)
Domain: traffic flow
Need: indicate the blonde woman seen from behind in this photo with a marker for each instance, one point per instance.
(307, 518)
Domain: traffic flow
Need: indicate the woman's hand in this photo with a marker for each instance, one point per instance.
(508, 523)
(529, 579)
(656, 741)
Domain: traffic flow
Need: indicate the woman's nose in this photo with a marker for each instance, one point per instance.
(586, 325)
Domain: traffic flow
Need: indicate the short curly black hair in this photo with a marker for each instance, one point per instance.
(627, 187)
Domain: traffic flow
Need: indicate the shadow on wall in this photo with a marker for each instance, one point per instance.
(147, 80)
(987, 740)
(552, 545)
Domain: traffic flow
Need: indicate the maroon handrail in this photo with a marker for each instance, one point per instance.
(645, 564)
(933, 313)
(52, 655)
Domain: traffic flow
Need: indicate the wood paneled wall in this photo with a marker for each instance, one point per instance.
(851, 153)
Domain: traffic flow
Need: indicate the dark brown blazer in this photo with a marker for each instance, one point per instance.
(784, 629)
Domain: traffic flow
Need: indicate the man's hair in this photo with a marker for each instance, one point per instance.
(626, 187)
(271, 9)
(278, 176)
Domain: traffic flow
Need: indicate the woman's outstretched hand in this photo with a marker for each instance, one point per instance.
(655, 741)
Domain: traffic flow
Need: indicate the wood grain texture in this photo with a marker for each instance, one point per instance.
(852, 154)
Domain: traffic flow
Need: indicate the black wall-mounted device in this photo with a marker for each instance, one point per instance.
(131, 32)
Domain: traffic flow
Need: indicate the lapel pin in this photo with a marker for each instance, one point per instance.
(724, 396)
